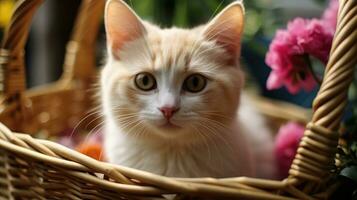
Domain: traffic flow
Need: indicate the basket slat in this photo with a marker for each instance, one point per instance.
(49, 170)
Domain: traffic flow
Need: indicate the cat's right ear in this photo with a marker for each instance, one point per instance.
(122, 25)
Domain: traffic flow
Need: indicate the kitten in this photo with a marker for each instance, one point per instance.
(170, 98)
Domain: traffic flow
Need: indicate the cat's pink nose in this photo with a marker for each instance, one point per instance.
(168, 111)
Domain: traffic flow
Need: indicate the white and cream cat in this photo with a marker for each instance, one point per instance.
(172, 98)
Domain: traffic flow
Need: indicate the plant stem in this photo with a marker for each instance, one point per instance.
(309, 64)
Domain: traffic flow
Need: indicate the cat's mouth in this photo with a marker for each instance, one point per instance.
(169, 125)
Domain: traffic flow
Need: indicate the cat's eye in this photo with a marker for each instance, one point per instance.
(145, 81)
(195, 83)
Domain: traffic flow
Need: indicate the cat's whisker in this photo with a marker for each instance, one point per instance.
(215, 113)
(97, 108)
(133, 128)
(119, 107)
(123, 111)
(215, 11)
(93, 131)
(126, 114)
(203, 136)
(100, 116)
(81, 121)
(123, 117)
(216, 122)
(228, 145)
(215, 130)
(140, 131)
(128, 123)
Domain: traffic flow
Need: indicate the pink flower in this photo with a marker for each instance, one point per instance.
(329, 17)
(289, 52)
(316, 40)
(286, 144)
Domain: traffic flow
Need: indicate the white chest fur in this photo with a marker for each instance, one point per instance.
(216, 158)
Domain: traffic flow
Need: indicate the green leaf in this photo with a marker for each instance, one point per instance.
(181, 13)
(354, 146)
(253, 22)
(350, 172)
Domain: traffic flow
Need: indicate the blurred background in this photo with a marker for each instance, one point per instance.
(53, 23)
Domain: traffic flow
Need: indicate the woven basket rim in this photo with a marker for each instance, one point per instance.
(309, 175)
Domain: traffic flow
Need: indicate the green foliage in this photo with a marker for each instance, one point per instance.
(182, 13)
(350, 172)
(348, 158)
(261, 19)
(347, 151)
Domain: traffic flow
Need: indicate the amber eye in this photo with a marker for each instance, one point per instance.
(195, 83)
(145, 81)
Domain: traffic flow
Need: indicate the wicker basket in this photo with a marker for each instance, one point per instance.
(39, 169)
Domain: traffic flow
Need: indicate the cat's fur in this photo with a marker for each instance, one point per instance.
(213, 138)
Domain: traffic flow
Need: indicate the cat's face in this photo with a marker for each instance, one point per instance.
(171, 82)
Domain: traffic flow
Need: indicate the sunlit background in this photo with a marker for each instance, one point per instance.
(53, 24)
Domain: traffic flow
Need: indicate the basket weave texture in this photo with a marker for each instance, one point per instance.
(40, 169)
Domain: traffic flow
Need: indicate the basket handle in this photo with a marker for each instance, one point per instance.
(316, 152)
(77, 62)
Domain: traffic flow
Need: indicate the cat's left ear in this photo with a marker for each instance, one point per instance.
(227, 27)
(122, 25)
